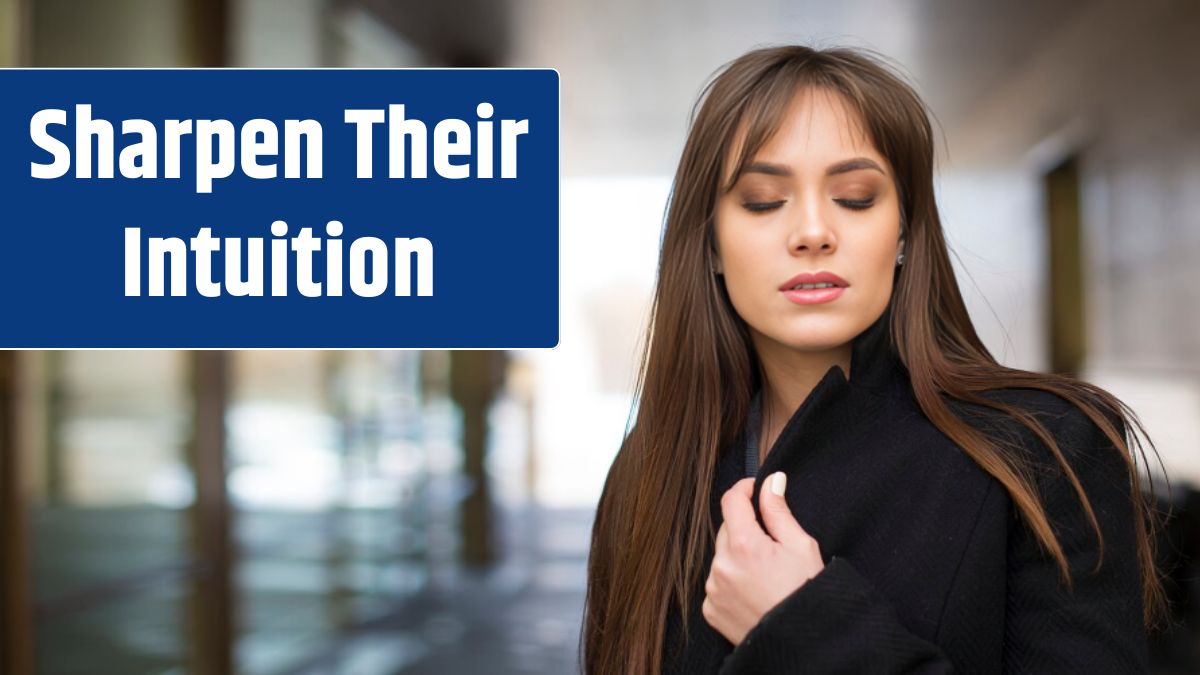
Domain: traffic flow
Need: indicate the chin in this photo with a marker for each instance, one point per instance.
(829, 330)
(815, 339)
(809, 345)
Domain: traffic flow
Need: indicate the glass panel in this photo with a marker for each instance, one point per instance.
(325, 474)
(109, 499)
(380, 538)
(283, 468)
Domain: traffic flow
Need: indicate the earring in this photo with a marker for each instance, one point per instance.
(900, 259)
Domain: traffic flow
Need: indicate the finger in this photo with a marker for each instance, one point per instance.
(744, 486)
(777, 515)
(722, 537)
(737, 510)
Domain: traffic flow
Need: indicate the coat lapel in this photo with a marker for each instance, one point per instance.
(874, 370)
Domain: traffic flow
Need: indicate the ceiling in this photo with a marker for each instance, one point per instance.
(631, 69)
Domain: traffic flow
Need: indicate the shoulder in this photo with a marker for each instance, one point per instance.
(1067, 423)
(1073, 561)
(1046, 405)
(1103, 469)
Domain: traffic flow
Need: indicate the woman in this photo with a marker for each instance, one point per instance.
(828, 471)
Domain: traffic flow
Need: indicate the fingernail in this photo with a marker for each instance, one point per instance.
(778, 482)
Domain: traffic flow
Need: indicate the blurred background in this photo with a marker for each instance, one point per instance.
(285, 512)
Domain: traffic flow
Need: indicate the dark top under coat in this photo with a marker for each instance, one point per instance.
(750, 435)
(928, 566)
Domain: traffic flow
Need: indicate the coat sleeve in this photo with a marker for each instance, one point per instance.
(1097, 627)
(836, 622)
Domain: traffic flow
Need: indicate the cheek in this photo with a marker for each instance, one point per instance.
(875, 263)
(878, 256)
(742, 256)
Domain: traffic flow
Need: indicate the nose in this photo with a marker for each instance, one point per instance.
(811, 233)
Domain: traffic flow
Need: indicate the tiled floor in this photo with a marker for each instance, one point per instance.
(524, 615)
(520, 617)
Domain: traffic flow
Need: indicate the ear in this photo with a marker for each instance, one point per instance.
(900, 246)
(715, 265)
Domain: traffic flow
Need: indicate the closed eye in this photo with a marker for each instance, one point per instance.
(853, 204)
(856, 204)
(759, 207)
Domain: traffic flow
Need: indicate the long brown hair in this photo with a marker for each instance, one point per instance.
(698, 368)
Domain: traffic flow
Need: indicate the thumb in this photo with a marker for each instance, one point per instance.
(777, 516)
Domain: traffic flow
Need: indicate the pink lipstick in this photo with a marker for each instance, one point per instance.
(828, 287)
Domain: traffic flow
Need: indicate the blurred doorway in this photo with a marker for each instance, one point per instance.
(1066, 302)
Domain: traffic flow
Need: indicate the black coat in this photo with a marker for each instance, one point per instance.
(928, 566)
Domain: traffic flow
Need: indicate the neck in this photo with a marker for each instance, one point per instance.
(789, 376)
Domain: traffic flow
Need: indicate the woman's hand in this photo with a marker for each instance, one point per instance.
(753, 570)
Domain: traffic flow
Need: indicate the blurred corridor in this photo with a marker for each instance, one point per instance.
(287, 512)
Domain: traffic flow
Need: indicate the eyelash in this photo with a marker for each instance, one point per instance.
(852, 204)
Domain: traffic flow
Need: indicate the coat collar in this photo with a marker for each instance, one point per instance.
(876, 373)
(874, 364)
(875, 369)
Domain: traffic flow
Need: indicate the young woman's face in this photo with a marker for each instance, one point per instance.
(816, 198)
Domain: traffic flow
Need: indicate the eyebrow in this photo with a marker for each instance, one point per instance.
(844, 166)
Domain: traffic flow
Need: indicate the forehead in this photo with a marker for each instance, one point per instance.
(817, 127)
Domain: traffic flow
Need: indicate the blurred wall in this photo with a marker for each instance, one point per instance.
(1114, 86)
(8, 33)
(276, 33)
(114, 33)
(1117, 86)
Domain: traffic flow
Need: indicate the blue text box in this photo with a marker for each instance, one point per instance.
(464, 257)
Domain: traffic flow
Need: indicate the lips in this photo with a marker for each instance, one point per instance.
(814, 278)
